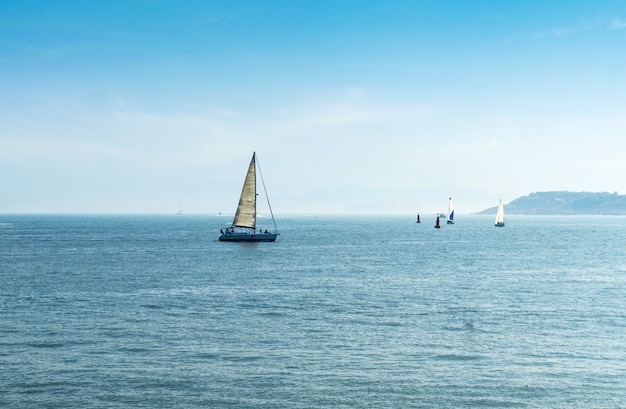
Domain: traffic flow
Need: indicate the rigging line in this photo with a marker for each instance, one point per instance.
(266, 196)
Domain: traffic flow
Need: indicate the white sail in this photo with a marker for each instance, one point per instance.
(500, 214)
(246, 210)
(450, 212)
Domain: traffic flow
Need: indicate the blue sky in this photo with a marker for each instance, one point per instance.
(352, 106)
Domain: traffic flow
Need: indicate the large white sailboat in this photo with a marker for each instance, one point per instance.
(244, 225)
(450, 219)
(500, 215)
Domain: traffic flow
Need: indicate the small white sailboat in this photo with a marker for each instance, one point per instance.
(500, 215)
(450, 219)
(244, 225)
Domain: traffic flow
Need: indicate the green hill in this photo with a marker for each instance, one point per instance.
(566, 203)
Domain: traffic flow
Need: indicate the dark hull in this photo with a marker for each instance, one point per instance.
(248, 237)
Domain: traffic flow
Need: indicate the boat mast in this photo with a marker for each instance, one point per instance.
(266, 196)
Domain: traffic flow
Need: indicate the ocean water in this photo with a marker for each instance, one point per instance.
(359, 312)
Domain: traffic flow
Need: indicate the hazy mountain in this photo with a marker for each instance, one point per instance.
(565, 203)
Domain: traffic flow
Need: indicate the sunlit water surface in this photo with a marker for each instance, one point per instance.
(372, 312)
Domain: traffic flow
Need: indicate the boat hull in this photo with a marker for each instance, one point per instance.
(248, 237)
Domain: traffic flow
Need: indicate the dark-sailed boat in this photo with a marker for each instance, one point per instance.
(244, 224)
(437, 224)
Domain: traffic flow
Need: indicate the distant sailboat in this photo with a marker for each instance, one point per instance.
(244, 224)
(437, 224)
(450, 212)
(418, 218)
(500, 215)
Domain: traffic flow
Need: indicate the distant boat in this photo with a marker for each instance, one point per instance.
(418, 218)
(450, 212)
(244, 224)
(500, 215)
(437, 224)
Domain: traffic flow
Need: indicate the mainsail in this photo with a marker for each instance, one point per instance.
(500, 215)
(450, 212)
(246, 210)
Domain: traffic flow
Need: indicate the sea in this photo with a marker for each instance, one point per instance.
(128, 311)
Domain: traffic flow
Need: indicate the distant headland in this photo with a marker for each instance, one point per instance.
(566, 203)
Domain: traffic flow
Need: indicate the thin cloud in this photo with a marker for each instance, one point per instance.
(70, 134)
(352, 108)
(581, 27)
(617, 24)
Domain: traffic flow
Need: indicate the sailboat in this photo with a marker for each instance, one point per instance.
(500, 215)
(418, 219)
(450, 212)
(244, 224)
(437, 224)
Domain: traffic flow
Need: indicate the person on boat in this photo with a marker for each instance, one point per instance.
(222, 231)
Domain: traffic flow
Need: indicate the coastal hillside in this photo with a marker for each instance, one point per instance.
(566, 203)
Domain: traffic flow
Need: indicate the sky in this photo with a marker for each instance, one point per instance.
(353, 106)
